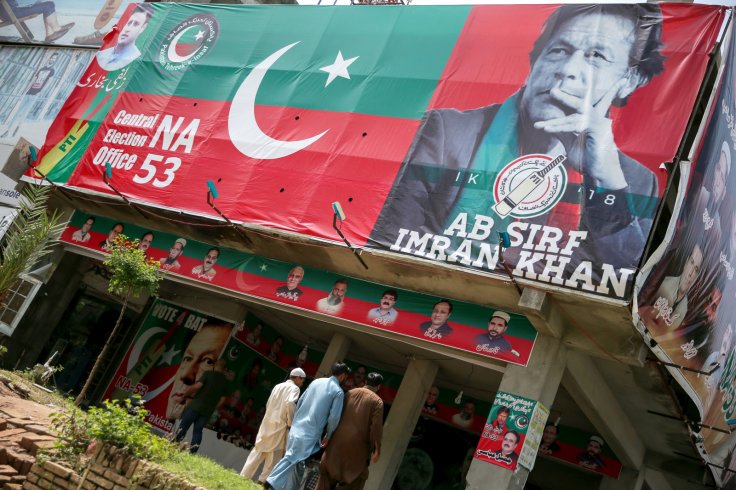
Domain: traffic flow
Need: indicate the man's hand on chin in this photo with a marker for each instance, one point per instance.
(587, 136)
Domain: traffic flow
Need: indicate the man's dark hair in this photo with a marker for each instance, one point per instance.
(340, 368)
(503, 409)
(214, 249)
(148, 233)
(143, 9)
(374, 379)
(645, 56)
(391, 292)
(120, 225)
(516, 435)
(444, 301)
(89, 218)
(341, 281)
(550, 424)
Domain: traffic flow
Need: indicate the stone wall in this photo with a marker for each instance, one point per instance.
(108, 469)
(20, 440)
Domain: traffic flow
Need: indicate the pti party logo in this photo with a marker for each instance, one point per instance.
(529, 186)
(188, 42)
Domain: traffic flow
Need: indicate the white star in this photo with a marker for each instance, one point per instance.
(264, 267)
(339, 68)
(199, 35)
(168, 356)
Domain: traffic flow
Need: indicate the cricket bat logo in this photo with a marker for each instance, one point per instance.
(516, 196)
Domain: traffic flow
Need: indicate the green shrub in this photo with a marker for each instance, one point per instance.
(122, 425)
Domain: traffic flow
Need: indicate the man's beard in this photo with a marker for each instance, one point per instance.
(333, 300)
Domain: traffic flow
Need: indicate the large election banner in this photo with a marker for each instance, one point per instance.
(483, 330)
(685, 302)
(435, 127)
(67, 22)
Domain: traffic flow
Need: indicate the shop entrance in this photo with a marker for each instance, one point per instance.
(79, 337)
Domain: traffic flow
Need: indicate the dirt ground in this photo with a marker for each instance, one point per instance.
(14, 407)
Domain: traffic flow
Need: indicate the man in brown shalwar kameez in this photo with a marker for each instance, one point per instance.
(357, 440)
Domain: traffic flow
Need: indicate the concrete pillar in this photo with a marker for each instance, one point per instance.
(336, 351)
(399, 426)
(627, 480)
(539, 381)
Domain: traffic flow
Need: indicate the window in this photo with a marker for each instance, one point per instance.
(18, 300)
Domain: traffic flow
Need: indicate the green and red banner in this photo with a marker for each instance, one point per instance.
(512, 431)
(173, 347)
(436, 128)
(483, 330)
(686, 296)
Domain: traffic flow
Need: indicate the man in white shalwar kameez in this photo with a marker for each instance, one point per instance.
(271, 438)
(319, 407)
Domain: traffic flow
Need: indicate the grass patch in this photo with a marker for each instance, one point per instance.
(207, 473)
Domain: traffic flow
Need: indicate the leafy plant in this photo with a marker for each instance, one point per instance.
(132, 272)
(72, 433)
(29, 237)
(122, 425)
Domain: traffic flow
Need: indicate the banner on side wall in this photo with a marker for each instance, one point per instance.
(686, 301)
(483, 330)
(66, 22)
(579, 448)
(173, 347)
(432, 147)
(35, 83)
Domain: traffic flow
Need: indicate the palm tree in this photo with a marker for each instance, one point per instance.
(29, 237)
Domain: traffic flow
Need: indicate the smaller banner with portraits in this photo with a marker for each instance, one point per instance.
(483, 330)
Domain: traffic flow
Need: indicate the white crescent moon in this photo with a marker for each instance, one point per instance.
(172, 47)
(244, 131)
(137, 350)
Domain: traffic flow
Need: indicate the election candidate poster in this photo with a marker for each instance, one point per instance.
(550, 123)
(685, 303)
(173, 347)
(61, 22)
(512, 431)
(484, 330)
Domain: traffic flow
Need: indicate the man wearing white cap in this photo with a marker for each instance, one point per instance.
(493, 342)
(171, 261)
(271, 438)
(590, 458)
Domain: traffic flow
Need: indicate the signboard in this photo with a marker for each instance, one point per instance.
(513, 423)
(483, 330)
(68, 22)
(7, 216)
(685, 300)
(432, 147)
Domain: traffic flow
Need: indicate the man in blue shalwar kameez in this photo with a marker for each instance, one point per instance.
(320, 406)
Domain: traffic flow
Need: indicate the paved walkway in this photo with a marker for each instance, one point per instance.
(24, 429)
